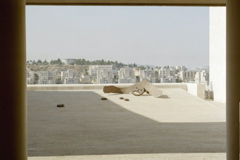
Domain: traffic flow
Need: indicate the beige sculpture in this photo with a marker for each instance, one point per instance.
(137, 89)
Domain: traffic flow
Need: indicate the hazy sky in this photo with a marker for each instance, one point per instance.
(143, 35)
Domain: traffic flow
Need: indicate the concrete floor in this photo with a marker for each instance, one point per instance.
(177, 126)
(159, 156)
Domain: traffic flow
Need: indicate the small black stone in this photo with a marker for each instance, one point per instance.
(60, 105)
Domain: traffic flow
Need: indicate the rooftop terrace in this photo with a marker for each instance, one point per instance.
(177, 126)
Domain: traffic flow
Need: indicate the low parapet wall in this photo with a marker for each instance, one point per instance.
(193, 88)
(60, 87)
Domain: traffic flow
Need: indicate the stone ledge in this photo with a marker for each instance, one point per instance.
(60, 87)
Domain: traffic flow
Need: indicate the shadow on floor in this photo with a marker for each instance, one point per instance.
(89, 126)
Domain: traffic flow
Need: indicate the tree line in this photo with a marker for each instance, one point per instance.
(82, 62)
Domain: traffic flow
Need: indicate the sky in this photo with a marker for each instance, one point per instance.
(143, 35)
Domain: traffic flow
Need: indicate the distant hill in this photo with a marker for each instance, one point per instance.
(82, 62)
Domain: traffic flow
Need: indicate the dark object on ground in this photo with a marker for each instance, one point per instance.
(60, 105)
(121, 97)
(103, 98)
(126, 99)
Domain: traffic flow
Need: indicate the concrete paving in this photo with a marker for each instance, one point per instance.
(176, 126)
(159, 156)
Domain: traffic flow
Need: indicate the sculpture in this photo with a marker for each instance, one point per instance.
(137, 89)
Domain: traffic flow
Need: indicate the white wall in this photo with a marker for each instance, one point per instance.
(192, 88)
(217, 52)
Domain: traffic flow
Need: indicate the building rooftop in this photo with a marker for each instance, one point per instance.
(177, 126)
